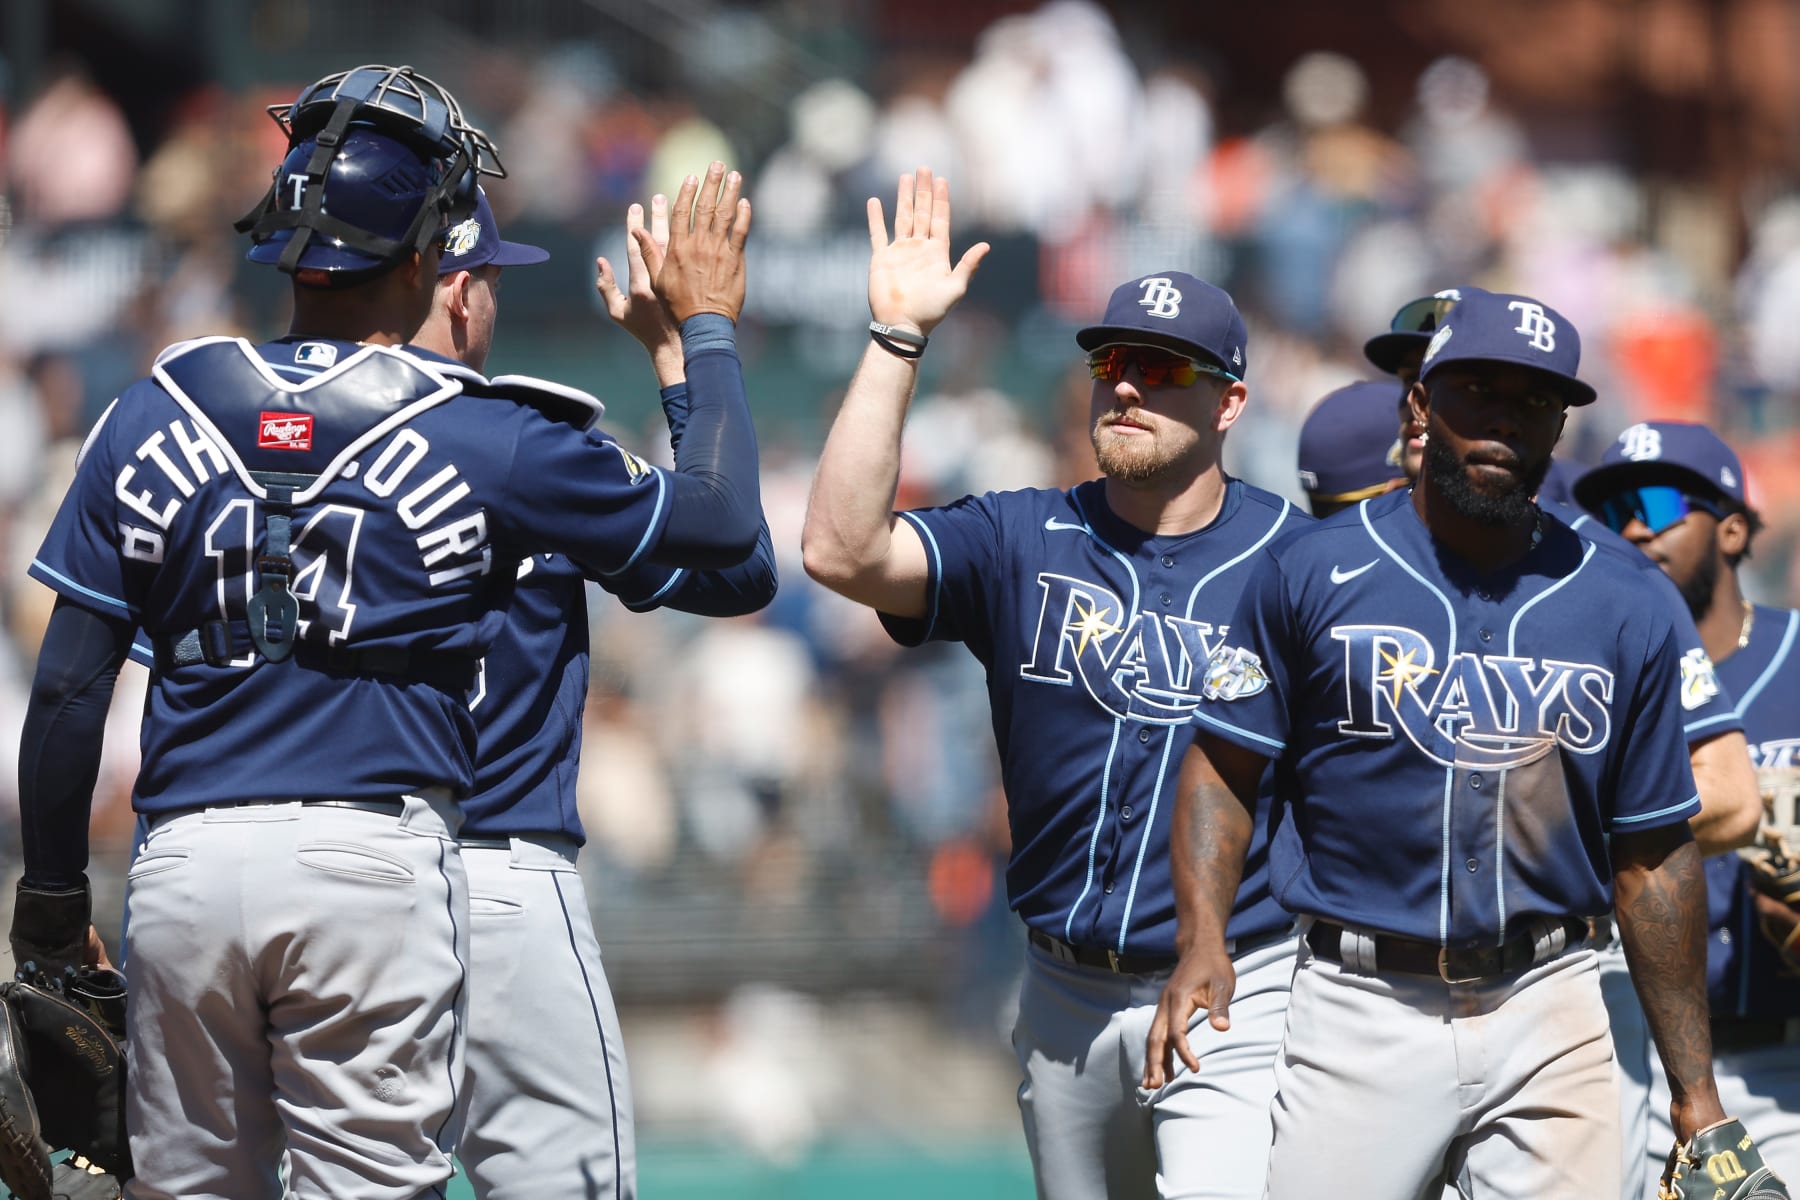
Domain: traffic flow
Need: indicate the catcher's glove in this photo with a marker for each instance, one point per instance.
(62, 1085)
(1775, 890)
(1719, 1163)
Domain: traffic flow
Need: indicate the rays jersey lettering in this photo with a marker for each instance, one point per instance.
(1485, 710)
(1141, 667)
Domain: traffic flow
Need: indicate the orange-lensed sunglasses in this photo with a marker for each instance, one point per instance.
(1155, 367)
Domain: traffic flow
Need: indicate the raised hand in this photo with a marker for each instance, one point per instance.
(912, 285)
(635, 307)
(702, 270)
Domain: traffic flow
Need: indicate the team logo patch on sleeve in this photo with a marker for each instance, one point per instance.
(462, 238)
(636, 468)
(1233, 673)
(285, 431)
(1699, 682)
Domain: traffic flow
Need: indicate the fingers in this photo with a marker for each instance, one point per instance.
(740, 226)
(726, 213)
(922, 198)
(878, 237)
(940, 210)
(706, 205)
(651, 252)
(683, 215)
(970, 262)
(903, 208)
(1155, 1049)
(608, 286)
(659, 219)
(1180, 1042)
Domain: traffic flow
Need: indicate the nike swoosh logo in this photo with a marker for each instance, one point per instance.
(1053, 523)
(1339, 575)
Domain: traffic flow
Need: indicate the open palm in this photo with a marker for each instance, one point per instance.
(911, 282)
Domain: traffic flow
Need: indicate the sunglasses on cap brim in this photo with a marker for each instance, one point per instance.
(1155, 366)
(1657, 508)
(1422, 316)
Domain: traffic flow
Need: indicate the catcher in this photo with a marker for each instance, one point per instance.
(1678, 492)
(62, 1084)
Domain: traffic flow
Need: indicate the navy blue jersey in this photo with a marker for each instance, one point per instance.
(1744, 976)
(1094, 635)
(1707, 708)
(1455, 747)
(404, 543)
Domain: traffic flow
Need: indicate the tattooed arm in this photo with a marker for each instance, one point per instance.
(1209, 834)
(1659, 897)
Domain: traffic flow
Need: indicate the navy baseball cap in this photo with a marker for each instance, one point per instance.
(476, 243)
(1498, 327)
(1350, 445)
(1665, 453)
(1412, 327)
(1174, 311)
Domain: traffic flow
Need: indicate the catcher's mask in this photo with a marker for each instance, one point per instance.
(379, 160)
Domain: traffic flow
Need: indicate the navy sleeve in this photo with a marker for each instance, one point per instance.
(1247, 695)
(59, 747)
(731, 592)
(1655, 784)
(962, 544)
(675, 408)
(715, 499)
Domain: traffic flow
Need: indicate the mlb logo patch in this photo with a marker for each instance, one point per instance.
(285, 431)
(315, 354)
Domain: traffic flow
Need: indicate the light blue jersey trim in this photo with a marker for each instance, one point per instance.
(1639, 818)
(294, 370)
(1094, 840)
(85, 591)
(646, 603)
(643, 546)
(1270, 742)
(1162, 773)
(1697, 726)
(1768, 673)
(1500, 858)
(1444, 864)
(937, 570)
(1229, 563)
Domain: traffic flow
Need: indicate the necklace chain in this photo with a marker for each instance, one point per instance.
(1749, 623)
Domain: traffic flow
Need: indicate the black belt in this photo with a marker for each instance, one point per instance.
(1752, 1033)
(392, 808)
(1136, 964)
(1452, 964)
(1600, 932)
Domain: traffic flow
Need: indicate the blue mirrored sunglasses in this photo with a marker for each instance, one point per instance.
(1657, 507)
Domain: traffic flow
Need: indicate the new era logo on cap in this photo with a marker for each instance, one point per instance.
(1175, 311)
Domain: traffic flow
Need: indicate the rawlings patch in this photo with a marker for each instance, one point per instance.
(285, 431)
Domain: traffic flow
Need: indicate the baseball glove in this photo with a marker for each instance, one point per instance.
(1775, 891)
(62, 1085)
(1719, 1163)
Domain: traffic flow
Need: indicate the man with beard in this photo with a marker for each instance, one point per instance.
(1467, 706)
(1094, 611)
(1678, 492)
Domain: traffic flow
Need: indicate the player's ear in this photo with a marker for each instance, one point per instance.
(1418, 403)
(1734, 536)
(1231, 405)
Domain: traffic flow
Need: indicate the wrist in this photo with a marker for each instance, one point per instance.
(898, 340)
(670, 365)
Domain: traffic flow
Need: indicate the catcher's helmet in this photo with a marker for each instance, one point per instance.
(379, 159)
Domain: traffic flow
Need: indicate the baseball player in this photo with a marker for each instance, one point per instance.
(319, 535)
(1678, 492)
(1348, 451)
(551, 1116)
(1093, 610)
(1466, 705)
(1729, 804)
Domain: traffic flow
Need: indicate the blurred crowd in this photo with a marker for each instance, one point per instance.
(794, 768)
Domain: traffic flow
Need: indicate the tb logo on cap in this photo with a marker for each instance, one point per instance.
(1536, 324)
(1161, 297)
(1640, 443)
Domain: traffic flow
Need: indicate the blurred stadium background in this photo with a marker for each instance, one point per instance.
(797, 842)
